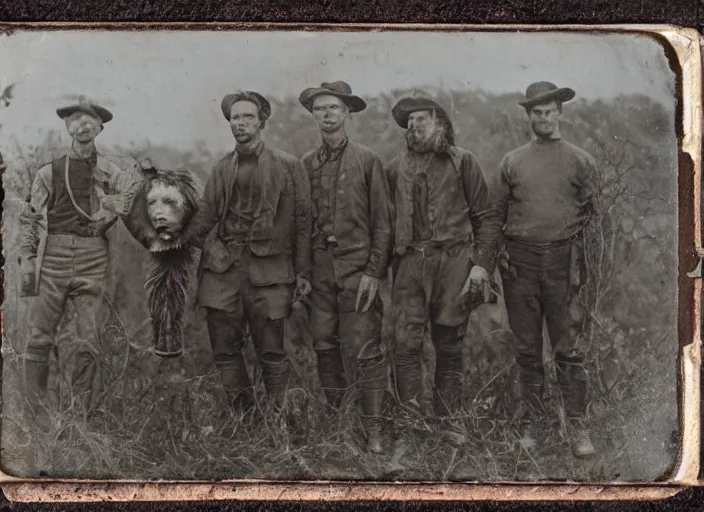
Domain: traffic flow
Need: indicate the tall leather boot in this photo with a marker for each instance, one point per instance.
(373, 381)
(408, 378)
(85, 378)
(448, 382)
(332, 375)
(35, 380)
(572, 378)
(531, 380)
(276, 374)
(238, 387)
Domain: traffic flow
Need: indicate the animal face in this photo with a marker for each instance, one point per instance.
(167, 209)
(160, 206)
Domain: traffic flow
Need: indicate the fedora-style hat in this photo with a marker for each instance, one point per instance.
(406, 106)
(543, 92)
(86, 106)
(339, 89)
(254, 97)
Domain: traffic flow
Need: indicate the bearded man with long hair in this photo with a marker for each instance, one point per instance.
(444, 248)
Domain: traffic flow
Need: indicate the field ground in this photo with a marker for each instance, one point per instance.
(164, 419)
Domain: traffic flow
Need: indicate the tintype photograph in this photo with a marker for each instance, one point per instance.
(339, 255)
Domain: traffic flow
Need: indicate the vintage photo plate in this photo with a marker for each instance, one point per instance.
(350, 262)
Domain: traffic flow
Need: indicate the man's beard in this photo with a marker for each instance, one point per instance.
(436, 142)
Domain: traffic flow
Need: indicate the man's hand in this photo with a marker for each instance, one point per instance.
(27, 265)
(368, 286)
(115, 204)
(303, 287)
(478, 281)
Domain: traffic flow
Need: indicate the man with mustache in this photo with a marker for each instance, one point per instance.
(351, 241)
(442, 208)
(66, 201)
(253, 223)
(546, 198)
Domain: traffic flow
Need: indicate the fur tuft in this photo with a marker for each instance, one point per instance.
(167, 282)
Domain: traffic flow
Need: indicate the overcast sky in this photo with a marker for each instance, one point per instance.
(167, 86)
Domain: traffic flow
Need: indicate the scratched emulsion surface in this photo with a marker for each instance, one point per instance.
(163, 419)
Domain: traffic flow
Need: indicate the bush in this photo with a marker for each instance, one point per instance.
(164, 419)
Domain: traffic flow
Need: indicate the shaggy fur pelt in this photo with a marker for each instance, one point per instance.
(167, 282)
(170, 263)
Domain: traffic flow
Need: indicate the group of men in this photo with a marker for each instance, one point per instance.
(274, 229)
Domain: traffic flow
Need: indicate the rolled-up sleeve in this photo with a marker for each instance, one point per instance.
(33, 216)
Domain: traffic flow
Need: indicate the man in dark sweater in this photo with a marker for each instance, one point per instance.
(253, 224)
(351, 242)
(445, 236)
(546, 197)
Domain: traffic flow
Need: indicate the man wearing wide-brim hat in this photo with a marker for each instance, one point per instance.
(445, 233)
(546, 198)
(253, 224)
(351, 239)
(66, 199)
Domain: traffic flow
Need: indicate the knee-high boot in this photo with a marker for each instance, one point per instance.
(373, 380)
(572, 378)
(238, 387)
(332, 375)
(448, 392)
(276, 374)
(35, 381)
(531, 380)
(448, 370)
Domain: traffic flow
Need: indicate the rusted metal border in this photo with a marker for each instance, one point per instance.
(684, 49)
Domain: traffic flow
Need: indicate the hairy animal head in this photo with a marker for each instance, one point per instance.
(160, 206)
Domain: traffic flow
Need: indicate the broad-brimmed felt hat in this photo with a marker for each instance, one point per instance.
(339, 89)
(254, 97)
(406, 106)
(86, 106)
(543, 92)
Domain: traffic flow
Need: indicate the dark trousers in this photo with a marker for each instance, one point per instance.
(426, 289)
(335, 325)
(537, 289)
(347, 342)
(259, 310)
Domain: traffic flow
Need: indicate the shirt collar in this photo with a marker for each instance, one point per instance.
(92, 159)
(328, 153)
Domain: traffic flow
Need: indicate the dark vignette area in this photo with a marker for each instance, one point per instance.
(678, 12)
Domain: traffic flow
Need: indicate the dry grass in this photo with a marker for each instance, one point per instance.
(165, 419)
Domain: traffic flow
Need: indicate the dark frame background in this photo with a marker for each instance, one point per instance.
(684, 13)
